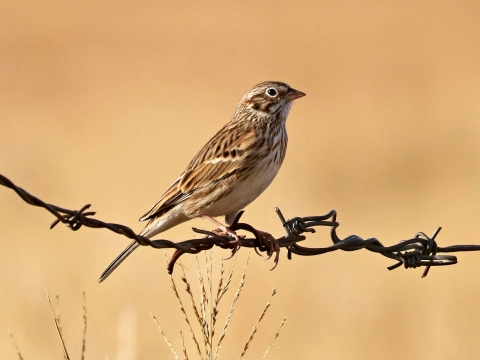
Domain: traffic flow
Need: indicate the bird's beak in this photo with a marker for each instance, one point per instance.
(293, 94)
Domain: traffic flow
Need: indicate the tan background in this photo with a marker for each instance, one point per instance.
(106, 102)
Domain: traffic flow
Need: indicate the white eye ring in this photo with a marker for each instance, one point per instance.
(271, 92)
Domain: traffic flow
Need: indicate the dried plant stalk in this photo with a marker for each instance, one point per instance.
(209, 266)
(188, 289)
(182, 308)
(206, 310)
(165, 337)
(185, 316)
(254, 330)
(230, 312)
(274, 338)
(183, 346)
(57, 314)
(217, 300)
(84, 326)
(203, 307)
(225, 287)
(19, 354)
(65, 353)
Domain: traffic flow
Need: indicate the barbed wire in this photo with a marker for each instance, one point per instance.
(419, 251)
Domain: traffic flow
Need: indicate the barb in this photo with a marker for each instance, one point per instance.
(421, 250)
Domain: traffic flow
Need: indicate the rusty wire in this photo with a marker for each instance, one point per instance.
(421, 250)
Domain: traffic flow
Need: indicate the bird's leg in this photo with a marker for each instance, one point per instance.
(222, 227)
(225, 230)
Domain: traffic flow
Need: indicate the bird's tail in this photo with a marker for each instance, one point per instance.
(123, 255)
(154, 226)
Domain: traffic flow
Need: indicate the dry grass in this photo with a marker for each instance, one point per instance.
(165, 337)
(19, 354)
(232, 307)
(206, 309)
(254, 330)
(84, 342)
(182, 309)
(275, 337)
(184, 349)
(56, 319)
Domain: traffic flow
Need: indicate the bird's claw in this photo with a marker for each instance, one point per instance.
(273, 247)
(236, 243)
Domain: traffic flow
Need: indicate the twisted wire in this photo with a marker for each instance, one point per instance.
(420, 251)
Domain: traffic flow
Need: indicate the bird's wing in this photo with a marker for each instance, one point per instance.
(220, 158)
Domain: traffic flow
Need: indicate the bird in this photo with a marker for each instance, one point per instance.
(231, 170)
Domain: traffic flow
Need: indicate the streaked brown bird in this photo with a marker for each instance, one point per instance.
(233, 168)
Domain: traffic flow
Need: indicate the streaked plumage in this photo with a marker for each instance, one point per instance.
(233, 168)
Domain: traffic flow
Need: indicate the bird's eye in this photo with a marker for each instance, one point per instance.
(272, 92)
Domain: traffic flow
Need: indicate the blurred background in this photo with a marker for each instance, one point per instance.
(107, 102)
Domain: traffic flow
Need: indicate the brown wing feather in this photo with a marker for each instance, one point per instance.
(220, 158)
(168, 199)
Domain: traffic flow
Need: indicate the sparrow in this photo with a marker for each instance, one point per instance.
(230, 171)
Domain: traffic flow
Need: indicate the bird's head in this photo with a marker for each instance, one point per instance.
(269, 97)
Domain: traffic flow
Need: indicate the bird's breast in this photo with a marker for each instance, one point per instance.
(236, 194)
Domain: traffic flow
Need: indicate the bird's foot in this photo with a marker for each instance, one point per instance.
(273, 246)
(265, 241)
(224, 230)
(236, 243)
